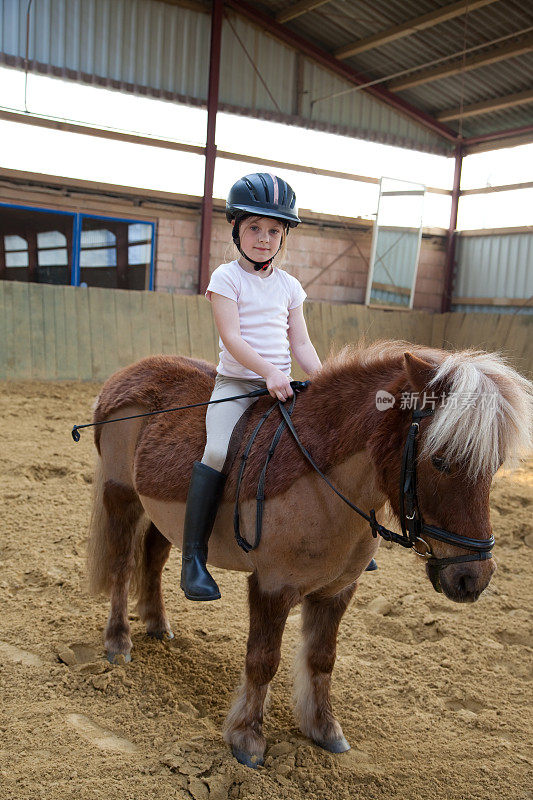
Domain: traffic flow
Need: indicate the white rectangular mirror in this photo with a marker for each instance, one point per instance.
(395, 244)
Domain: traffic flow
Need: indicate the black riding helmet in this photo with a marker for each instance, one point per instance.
(264, 195)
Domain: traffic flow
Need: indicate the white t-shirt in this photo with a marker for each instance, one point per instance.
(263, 305)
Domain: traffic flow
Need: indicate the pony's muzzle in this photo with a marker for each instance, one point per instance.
(463, 583)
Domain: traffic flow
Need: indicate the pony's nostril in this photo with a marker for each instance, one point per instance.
(467, 584)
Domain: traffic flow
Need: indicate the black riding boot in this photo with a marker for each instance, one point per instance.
(372, 566)
(205, 491)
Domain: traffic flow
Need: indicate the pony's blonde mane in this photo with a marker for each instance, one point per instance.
(486, 420)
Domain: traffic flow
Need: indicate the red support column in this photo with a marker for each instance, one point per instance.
(452, 233)
(210, 147)
(120, 230)
(3, 267)
(33, 255)
(69, 231)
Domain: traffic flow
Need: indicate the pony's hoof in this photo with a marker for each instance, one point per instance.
(335, 746)
(160, 635)
(119, 658)
(247, 759)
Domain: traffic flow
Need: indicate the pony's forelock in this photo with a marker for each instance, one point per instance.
(485, 419)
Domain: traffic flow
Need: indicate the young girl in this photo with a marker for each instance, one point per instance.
(258, 310)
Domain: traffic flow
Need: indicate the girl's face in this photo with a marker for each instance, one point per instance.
(260, 237)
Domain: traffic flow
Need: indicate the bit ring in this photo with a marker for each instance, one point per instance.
(427, 554)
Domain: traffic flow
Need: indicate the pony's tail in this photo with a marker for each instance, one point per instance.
(123, 537)
(97, 577)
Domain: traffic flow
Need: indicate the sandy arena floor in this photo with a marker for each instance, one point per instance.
(434, 697)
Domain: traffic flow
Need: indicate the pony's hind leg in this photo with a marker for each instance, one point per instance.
(314, 665)
(123, 512)
(243, 726)
(150, 603)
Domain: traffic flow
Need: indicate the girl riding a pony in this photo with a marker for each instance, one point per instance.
(258, 311)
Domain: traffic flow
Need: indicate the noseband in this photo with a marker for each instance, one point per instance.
(415, 531)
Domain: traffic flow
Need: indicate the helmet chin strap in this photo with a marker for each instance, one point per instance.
(258, 265)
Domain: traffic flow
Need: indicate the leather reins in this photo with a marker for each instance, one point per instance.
(413, 526)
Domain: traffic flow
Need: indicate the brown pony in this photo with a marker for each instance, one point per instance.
(314, 547)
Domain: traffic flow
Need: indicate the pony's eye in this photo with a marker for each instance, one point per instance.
(440, 464)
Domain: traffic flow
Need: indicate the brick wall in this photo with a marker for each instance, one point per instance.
(330, 261)
(429, 285)
(329, 255)
(177, 254)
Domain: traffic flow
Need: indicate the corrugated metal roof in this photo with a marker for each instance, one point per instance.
(240, 85)
(482, 25)
(153, 47)
(136, 44)
(160, 49)
(357, 111)
(496, 266)
(339, 23)
(494, 80)
(497, 121)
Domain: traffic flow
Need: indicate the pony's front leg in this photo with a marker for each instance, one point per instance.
(314, 665)
(268, 615)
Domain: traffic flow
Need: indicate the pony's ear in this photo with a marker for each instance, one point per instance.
(419, 372)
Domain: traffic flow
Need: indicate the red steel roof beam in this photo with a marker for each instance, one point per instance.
(489, 137)
(452, 233)
(210, 147)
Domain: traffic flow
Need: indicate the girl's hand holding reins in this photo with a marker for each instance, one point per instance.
(278, 384)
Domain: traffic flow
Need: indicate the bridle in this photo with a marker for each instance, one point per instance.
(415, 532)
(414, 529)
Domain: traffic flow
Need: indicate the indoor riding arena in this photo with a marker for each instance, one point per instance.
(406, 131)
